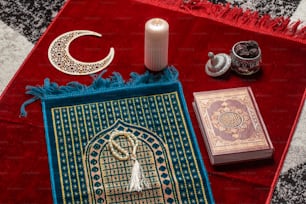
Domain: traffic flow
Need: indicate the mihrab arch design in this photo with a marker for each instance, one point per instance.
(108, 178)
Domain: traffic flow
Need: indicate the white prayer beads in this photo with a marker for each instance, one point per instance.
(115, 147)
(138, 180)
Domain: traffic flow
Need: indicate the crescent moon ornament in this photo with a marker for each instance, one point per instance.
(62, 60)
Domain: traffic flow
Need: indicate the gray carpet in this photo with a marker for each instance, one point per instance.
(22, 22)
(275, 8)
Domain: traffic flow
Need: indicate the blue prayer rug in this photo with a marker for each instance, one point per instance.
(89, 165)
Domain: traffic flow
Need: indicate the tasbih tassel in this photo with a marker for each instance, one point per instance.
(138, 180)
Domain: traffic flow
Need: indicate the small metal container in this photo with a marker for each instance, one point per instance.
(245, 65)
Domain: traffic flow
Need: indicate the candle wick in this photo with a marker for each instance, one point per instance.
(157, 23)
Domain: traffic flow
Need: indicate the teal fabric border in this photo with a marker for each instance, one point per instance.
(50, 158)
(195, 143)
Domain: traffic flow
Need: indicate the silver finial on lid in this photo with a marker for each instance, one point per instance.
(217, 65)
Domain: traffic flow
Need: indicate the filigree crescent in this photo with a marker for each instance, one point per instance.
(62, 60)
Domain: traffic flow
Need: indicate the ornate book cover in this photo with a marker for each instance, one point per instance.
(231, 125)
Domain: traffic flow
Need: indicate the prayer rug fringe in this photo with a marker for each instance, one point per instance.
(99, 83)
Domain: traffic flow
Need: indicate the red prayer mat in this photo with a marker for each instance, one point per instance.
(278, 90)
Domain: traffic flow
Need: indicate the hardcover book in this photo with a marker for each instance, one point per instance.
(231, 125)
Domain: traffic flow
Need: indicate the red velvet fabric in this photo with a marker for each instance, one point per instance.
(24, 174)
(228, 14)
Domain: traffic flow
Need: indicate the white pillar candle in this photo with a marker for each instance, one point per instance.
(156, 44)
